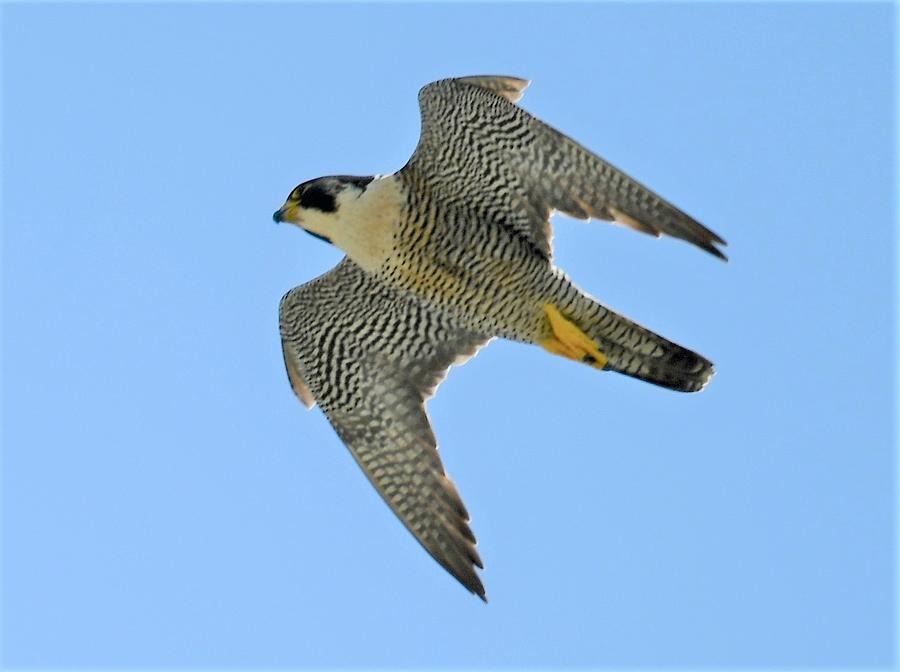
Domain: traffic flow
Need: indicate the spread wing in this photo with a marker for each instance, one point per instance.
(478, 148)
(371, 357)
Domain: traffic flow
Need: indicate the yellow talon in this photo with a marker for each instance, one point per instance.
(571, 342)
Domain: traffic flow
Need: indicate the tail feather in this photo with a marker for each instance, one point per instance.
(640, 353)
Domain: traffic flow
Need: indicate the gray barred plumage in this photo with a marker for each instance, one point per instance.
(371, 356)
(525, 168)
(444, 255)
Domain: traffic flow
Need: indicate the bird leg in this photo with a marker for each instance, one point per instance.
(571, 342)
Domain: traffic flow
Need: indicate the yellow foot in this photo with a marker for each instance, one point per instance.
(570, 341)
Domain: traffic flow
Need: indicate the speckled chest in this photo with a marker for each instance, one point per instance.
(482, 272)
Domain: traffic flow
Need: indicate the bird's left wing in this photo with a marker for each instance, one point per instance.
(478, 148)
(371, 356)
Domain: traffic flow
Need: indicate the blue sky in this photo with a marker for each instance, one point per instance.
(168, 502)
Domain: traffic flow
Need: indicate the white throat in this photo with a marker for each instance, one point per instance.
(364, 224)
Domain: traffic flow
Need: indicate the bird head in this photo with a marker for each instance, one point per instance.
(315, 205)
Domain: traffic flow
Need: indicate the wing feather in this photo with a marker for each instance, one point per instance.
(370, 357)
(477, 147)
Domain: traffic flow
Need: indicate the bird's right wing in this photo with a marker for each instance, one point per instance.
(478, 148)
(371, 357)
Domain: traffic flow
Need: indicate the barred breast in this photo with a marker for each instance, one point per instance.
(489, 278)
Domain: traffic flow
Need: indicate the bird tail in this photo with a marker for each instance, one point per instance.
(604, 339)
(638, 352)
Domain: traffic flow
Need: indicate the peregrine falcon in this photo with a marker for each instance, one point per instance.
(449, 252)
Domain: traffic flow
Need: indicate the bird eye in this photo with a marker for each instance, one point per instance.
(295, 194)
(317, 198)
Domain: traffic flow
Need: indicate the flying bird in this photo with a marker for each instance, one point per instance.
(449, 252)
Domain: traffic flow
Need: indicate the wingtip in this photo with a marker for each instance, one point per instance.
(710, 246)
(470, 581)
(718, 253)
(715, 240)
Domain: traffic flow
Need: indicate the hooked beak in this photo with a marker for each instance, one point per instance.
(287, 213)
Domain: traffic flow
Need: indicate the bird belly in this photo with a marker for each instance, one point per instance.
(491, 281)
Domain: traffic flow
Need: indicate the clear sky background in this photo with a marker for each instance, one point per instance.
(168, 502)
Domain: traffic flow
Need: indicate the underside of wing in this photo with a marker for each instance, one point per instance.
(477, 147)
(511, 88)
(371, 357)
